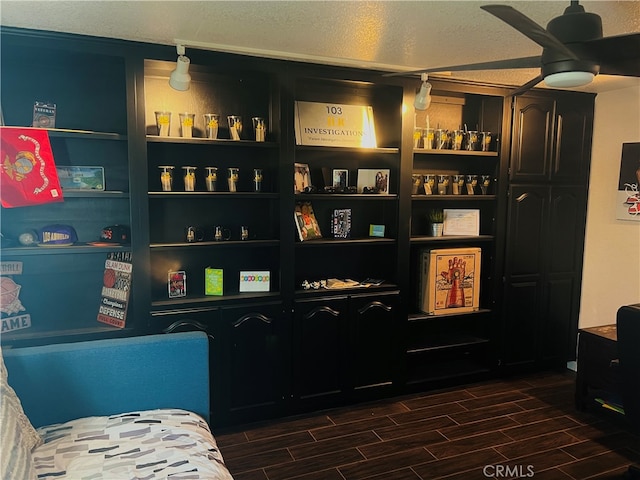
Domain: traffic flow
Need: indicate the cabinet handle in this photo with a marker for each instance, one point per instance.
(188, 323)
(248, 316)
(317, 310)
(375, 304)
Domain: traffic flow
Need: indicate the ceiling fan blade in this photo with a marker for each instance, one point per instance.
(529, 28)
(530, 84)
(524, 62)
(617, 55)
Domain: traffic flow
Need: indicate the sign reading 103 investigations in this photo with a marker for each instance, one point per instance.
(334, 125)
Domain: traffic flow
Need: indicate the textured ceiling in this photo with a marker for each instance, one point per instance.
(387, 35)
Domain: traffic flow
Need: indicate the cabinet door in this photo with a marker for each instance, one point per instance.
(320, 349)
(190, 321)
(253, 370)
(375, 348)
(532, 136)
(572, 145)
(524, 272)
(565, 241)
(542, 272)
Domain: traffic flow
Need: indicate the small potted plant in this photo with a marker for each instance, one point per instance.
(436, 222)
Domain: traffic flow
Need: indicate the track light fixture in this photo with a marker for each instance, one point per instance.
(423, 98)
(180, 78)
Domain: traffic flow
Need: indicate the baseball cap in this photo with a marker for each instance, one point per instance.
(57, 235)
(116, 234)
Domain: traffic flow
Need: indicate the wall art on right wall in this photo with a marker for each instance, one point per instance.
(628, 195)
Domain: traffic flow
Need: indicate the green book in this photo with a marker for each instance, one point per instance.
(212, 281)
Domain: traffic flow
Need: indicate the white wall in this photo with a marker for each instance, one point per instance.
(611, 275)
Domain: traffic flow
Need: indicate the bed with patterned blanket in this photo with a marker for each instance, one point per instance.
(115, 409)
(149, 444)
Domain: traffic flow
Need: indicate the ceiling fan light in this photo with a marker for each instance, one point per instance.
(180, 78)
(568, 79)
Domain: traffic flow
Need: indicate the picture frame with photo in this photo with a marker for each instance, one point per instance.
(340, 178)
(301, 177)
(374, 180)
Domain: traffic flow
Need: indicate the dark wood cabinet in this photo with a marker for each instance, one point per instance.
(375, 347)
(289, 349)
(249, 356)
(320, 350)
(551, 138)
(346, 348)
(546, 216)
(598, 374)
(255, 362)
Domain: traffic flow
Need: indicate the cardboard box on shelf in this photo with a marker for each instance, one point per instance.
(449, 281)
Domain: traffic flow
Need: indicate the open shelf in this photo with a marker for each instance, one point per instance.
(328, 242)
(463, 153)
(221, 244)
(70, 133)
(449, 198)
(160, 305)
(451, 239)
(63, 250)
(211, 141)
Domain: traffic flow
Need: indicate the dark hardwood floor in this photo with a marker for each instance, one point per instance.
(526, 427)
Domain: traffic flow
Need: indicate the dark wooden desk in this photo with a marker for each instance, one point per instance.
(595, 378)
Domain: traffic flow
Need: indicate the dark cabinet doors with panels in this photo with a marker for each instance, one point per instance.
(550, 159)
(551, 139)
(460, 178)
(249, 356)
(221, 210)
(542, 275)
(60, 288)
(345, 348)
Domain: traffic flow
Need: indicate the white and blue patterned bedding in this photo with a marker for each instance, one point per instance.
(155, 444)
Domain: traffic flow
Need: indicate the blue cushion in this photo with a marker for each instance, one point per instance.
(57, 383)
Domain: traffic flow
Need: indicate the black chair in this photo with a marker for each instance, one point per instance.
(628, 328)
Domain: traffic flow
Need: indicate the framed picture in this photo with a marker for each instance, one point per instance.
(81, 178)
(460, 221)
(628, 195)
(177, 284)
(340, 178)
(301, 177)
(373, 180)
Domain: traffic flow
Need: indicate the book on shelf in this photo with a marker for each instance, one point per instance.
(341, 223)
(306, 222)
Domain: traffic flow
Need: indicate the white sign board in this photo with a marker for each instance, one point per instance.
(254, 281)
(334, 125)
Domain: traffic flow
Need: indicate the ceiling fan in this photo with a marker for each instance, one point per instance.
(574, 50)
